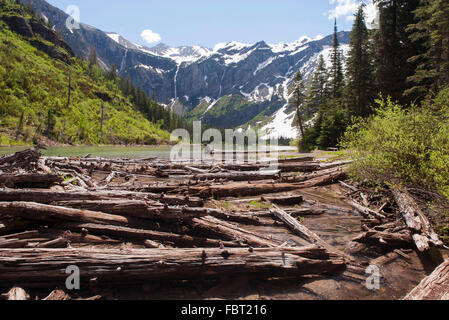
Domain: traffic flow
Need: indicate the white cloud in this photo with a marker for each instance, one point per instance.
(150, 36)
(347, 9)
(343, 8)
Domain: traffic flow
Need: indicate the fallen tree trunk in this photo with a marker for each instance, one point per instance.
(236, 190)
(433, 287)
(233, 176)
(41, 212)
(140, 209)
(327, 179)
(38, 267)
(422, 232)
(296, 159)
(210, 225)
(140, 234)
(397, 239)
(365, 211)
(49, 196)
(29, 180)
(25, 156)
(305, 233)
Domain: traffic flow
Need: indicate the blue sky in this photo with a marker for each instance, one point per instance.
(207, 22)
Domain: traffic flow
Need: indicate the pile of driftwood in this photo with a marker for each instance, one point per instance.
(404, 225)
(127, 221)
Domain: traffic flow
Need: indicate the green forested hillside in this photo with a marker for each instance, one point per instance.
(36, 102)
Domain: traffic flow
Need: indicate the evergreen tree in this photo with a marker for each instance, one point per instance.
(318, 93)
(394, 48)
(336, 72)
(112, 74)
(92, 58)
(360, 90)
(299, 98)
(432, 31)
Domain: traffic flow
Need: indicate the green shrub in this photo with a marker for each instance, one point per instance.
(407, 146)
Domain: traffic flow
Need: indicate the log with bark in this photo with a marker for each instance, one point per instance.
(302, 231)
(50, 196)
(46, 213)
(233, 176)
(433, 287)
(142, 235)
(222, 229)
(397, 239)
(365, 211)
(423, 234)
(23, 158)
(29, 180)
(43, 267)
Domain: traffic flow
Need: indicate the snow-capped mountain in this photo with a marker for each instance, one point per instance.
(232, 85)
(180, 54)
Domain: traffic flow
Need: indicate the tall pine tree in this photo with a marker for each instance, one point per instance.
(318, 93)
(360, 90)
(394, 48)
(432, 32)
(299, 98)
(336, 72)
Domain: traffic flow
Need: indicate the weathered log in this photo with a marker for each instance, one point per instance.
(325, 166)
(110, 177)
(25, 156)
(73, 237)
(327, 179)
(41, 212)
(433, 287)
(366, 212)
(231, 232)
(139, 209)
(305, 233)
(296, 159)
(21, 235)
(352, 188)
(153, 244)
(16, 293)
(417, 222)
(29, 180)
(236, 190)
(37, 267)
(233, 176)
(397, 239)
(143, 235)
(55, 243)
(20, 243)
(49, 196)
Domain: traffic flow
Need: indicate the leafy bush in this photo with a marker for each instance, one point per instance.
(407, 146)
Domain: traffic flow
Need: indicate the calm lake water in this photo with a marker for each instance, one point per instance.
(96, 151)
(108, 151)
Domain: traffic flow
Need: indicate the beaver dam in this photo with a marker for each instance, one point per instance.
(155, 229)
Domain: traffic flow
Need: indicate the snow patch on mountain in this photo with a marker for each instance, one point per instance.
(281, 126)
(114, 36)
(180, 55)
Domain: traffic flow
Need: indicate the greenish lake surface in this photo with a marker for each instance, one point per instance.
(132, 152)
(99, 151)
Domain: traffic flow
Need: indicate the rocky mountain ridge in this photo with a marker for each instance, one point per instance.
(231, 85)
